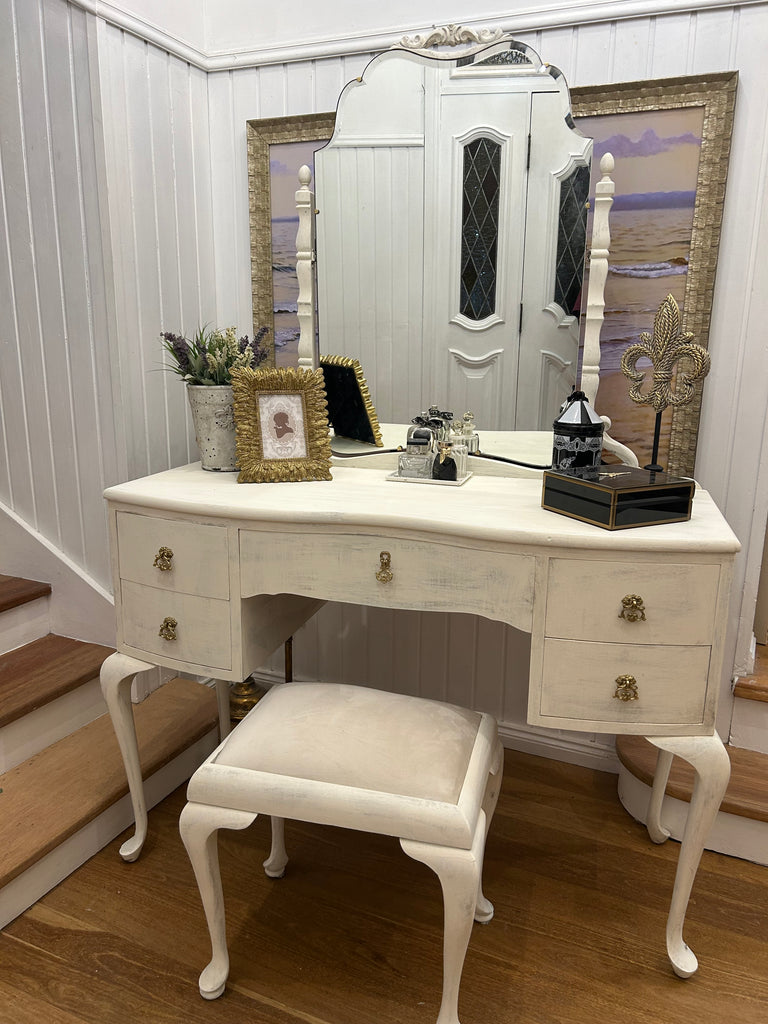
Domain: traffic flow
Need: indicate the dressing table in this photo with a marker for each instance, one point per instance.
(210, 577)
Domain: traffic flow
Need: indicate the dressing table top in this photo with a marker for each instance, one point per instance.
(486, 509)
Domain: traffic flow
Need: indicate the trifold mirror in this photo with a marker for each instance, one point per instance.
(451, 229)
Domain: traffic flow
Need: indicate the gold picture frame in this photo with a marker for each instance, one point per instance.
(281, 425)
(716, 94)
(351, 412)
(261, 134)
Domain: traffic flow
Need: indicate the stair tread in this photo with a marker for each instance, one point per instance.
(747, 793)
(15, 591)
(755, 686)
(39, 672)
(55, 793)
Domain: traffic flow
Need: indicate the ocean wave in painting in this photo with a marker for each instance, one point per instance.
(663, 268)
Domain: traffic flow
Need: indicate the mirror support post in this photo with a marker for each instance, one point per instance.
(309, 357)
(598, 274)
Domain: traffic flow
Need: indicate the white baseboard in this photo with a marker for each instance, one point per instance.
(731, 834)
(41, 877)
(45, 725)
(24, 623)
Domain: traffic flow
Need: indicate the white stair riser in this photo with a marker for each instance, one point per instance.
(749, 725)
(41, 877)
(23, 624)
(38, 729)
(731, 834)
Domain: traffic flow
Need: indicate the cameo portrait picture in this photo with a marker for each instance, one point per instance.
(281, 425)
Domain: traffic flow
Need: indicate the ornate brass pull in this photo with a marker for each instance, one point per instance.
(168, 628)
(163, 559)
(632, 608)
(384, 573)
(626, 688)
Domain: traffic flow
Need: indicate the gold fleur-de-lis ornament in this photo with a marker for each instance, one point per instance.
(665, 348)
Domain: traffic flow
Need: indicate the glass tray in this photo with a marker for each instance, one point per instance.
(419, 480)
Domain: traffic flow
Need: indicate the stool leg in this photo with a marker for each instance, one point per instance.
(274, 865)
(199, 825)
(459, 874)
(484, 907)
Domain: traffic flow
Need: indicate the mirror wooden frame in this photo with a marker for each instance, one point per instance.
(261, 134)
(716, 93)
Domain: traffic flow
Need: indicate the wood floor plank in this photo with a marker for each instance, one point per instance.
(353, 932)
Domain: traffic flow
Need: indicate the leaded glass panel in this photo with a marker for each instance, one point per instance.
(571, 240)
(480, 228)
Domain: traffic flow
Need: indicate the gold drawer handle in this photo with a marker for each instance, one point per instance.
(632, 608)
(168, 628)
(163, 559)
(626, 688)
(384, 573)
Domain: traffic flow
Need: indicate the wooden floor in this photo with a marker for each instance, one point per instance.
(352, 934)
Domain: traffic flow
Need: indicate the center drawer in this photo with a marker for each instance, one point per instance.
(676, 602)
(390, 572)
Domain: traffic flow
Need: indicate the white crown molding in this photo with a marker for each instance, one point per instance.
(532, 18)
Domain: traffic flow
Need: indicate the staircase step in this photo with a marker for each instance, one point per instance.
(15, 591)
(34, 675)
(755, 686)
(741, 829)
(55, 796)
(24, 612)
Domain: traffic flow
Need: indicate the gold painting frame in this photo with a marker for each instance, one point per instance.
(716, 93)
(261, 134)
(281, 425)
(351, 411)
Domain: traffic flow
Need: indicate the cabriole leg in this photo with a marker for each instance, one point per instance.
(459, 873)
(484, 907)
(199, 825)
(657, 832)
(116, 676)
(274, 865)
(712, 765)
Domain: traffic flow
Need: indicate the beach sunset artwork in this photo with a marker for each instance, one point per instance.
(651, 222)
(285, 159)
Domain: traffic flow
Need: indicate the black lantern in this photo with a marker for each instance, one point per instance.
(578, 440)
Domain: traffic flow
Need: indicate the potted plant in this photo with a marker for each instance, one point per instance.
(205, 363)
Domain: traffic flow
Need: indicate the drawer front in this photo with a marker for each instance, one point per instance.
(433, 576)
(199, 560)
(580, 684)
(202, 630)
(584, 601)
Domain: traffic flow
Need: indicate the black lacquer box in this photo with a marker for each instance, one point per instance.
(618, 497)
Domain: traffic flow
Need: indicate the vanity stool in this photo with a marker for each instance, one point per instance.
(424, 771)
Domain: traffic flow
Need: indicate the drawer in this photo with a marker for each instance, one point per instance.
(579, 684)
(199, 564)
(584, 601)
(430, 575)
(202, 626)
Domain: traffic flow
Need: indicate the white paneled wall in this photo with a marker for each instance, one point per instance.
(124, 212)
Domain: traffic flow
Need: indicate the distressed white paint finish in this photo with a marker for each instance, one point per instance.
(194, 161)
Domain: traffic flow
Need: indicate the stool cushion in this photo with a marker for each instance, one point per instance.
(356, 757)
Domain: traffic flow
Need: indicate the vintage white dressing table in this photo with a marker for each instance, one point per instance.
(251, 563)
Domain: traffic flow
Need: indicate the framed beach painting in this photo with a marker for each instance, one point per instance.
(277, 148)
(670, 140)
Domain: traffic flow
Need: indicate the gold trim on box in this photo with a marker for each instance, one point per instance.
(610, 525)
(370, 410)
(255, 468)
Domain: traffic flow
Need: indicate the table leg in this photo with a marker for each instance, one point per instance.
(116, 677)
(712, 766)
(222, 700)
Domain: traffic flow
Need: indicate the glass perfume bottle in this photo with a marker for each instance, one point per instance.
(416, 461)
(444, 466)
